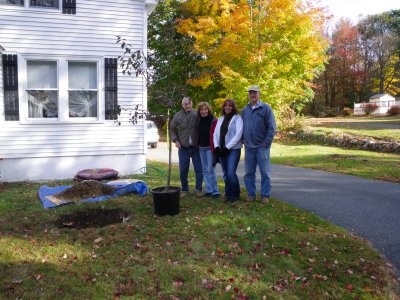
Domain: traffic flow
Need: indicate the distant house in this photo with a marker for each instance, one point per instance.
(60, 86)
(383, 101)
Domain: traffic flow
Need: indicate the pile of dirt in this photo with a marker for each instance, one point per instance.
(86, 189)
(96, 217)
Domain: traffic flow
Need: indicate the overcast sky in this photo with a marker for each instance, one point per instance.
(354, 8)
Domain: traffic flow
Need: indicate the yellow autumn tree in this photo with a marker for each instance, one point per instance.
(276, 44)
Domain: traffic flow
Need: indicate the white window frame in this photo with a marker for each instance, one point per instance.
(27, 5)
(12, 5)
(62, 83)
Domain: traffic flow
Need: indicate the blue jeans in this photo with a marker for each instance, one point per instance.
(229, 165)
(210, 178)
(184, 154)
(253, 157)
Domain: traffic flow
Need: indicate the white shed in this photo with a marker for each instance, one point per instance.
(383, 101)
(60, 85)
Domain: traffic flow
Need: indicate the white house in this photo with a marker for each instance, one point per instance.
(383, 101)
(60, 84)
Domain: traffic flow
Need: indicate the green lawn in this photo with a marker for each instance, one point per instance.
(366, 126)
(211, 250)
(367, 164)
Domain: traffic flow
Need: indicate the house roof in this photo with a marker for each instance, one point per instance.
(377, 96)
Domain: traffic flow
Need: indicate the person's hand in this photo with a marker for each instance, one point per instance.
(177, 144)
(217, 150)
(224, 151)
(214, 159)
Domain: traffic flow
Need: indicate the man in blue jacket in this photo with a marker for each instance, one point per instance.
(258, 133)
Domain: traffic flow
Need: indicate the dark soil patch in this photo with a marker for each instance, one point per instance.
(86, 189)
(93, 218)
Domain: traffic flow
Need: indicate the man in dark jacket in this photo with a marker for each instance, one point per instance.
(184, 134)
(258, 132)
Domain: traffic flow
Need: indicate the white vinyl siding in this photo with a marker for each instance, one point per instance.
(1, 91)
(91, 32)
(69, 140)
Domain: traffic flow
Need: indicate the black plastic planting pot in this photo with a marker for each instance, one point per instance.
(166, 202)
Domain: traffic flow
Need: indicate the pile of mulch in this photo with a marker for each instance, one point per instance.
(86, 189)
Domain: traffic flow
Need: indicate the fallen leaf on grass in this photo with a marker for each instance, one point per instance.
(39, 276)
(207, 285)
(349, 288)
(17, 281)
(177, 283)
(285, 252)
(320, 277)
(98, 240)
(280, 285)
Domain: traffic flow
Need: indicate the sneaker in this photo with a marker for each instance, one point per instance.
(265, 200)
(208, 195)
(199, 193)
(183, 194)
(216, 196)
(250, 198)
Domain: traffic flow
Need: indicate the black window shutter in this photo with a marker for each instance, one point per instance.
(111, 88)
(69, 7)
(10, 85)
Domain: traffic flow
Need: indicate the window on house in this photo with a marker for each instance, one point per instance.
(62, 89)
(82, 89)
(45, 3)
(42, 89)
(12, 2)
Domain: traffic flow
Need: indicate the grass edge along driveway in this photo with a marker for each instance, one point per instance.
(361, 163)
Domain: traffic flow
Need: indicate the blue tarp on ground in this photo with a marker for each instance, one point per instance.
(123, 186)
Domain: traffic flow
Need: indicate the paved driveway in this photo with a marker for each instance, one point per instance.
(368, 208)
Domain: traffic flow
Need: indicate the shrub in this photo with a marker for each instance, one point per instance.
(347, 111)
(394, 110)
(288, 120)
(369, 108)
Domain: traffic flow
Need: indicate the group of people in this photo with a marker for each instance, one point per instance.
(205, 140)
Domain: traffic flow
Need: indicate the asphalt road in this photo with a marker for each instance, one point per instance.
(367, 208)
